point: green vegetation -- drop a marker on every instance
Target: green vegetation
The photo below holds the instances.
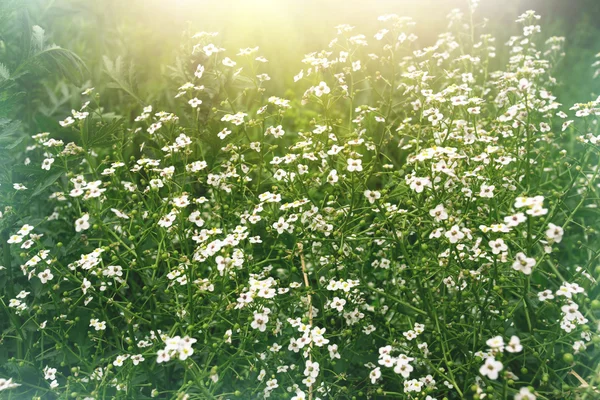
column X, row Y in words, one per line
column 298, row 208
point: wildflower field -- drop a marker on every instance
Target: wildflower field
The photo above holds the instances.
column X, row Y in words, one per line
column 390, row 214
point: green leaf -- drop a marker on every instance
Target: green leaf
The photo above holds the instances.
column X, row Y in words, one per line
column 122, row 79
column 4, row 73
column 46, row 183
column 106, row 134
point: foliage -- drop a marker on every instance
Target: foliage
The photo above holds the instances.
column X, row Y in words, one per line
column 402, row 222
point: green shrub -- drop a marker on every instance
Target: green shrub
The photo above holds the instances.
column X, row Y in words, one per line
column 416, row 223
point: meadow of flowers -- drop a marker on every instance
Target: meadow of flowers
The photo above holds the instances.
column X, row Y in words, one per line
column 408, row 222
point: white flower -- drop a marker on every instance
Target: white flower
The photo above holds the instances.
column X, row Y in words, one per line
column 195, row 102
column 487, row 191
column 439, row 213
column 199, row 71
column 491, row 368
column 403, row 368
column 554, row 233
column 181, row 201
column 137, row 358
column 375, row 374
column 454, row 234
column 515, row 220
column 545, row 295
column 224, row 133
column 311, row 369
column 67, row 122
column 354, row 165
column 372, row 195
column 514, row 345
column 498, row 246
column 97, row 324
column 120, row 360
column 228, row 62
column 25, row 229
column 82, row 223
column 496, row 343
column 333, row 351
column 419, row 184
column 525, row 394
column 119, row 213
column 321, row 89
column 196, row 219
column 210, row 48
column 338, row 303
column 154, row 127
column 523, row 263
column 49, row 373
column 276, row 131
column 162, row 356
column 271, row 384
column 9, row 384
column 281, row 225
column 185, row 352
column 45, row 275
column 47, row 163
column 333, row 177
column 15, row 239
column 260, row 322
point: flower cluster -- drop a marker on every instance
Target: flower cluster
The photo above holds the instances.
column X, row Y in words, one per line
column 413, row 224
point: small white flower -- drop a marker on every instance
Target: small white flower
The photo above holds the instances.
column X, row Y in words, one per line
column 496, row 343
column 525, row 394
column 372, row 195
column 162, row 356
column 487, row 191
column 281, row 225
column 545, row 295
column 199, row 71
column 311, row 369
column 419, row 184
column 195, row 102
column 333, row 177
column 82, row 223
column 514, row 345
column 354, row 165
column 375, row 375
column 454, row 234
column 523, row 263
column 338, row 303
column 321, row 89
column 49, row 373
column 47, row 163
column 403, row 368
column 45, row 275
column 554, row 233
column 196, row 219
column 260, row 322
column 498, row 246
column 67, row 122
column 228, row 62
column 439, row 213
column 15, row 239
column 491, row 368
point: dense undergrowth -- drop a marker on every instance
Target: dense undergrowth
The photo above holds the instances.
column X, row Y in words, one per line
column 407, row 222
